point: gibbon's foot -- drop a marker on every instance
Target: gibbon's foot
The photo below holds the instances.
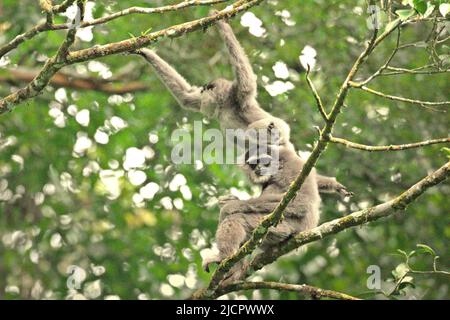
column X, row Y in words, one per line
column 208, row 261
column 224, row 199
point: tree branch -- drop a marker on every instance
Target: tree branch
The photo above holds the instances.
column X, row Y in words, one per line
column 46, row 26
column 171, row 32
column 400, row 147
column 63, row 6
column 388, row 61
column 273, row 219
column 355, row 219
column 316, row 95
column 313, row 292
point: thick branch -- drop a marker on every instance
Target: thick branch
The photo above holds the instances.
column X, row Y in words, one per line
column 399, row 147
column 355, row 219
column 303, row 289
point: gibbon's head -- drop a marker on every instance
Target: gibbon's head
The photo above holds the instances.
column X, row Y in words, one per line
column 215, row 94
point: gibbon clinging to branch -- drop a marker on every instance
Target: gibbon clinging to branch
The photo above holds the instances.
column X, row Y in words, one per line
column 238, row 218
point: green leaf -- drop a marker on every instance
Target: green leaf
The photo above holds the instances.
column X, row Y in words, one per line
column 420, row 6
column 404, row 14
column 444, row 9
column 427, row 249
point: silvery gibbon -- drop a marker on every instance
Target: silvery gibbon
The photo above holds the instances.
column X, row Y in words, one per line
column 232, row 103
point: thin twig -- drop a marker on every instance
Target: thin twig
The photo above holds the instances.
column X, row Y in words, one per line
column 52, row 65
column 400, row 147
column 60, row 79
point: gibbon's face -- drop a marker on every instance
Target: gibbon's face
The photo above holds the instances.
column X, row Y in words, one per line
column 216, row 93
column 260, row 167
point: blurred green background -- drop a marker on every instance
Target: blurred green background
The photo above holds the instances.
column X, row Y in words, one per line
column 57, row 211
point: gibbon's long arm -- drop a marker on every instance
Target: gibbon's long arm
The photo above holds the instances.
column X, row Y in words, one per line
column 245, row 77
column 187, row 96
